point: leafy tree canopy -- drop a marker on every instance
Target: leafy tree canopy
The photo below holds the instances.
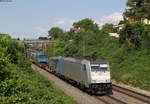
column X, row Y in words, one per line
column 138, row 9
column 55, row 32
column 86, row 24
column 43, row 38
column 133, row 33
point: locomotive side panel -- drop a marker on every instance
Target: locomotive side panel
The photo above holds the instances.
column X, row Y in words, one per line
column 74, row 70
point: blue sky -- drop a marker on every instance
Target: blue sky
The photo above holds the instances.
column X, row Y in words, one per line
column 33, row 18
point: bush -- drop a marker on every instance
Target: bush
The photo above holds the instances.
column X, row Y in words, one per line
column 19, row 84
column 30, row 88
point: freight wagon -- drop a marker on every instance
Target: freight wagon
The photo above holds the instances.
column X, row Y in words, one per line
column 39, row 58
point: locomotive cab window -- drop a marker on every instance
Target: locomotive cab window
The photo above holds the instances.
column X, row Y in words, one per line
column 103, row 67
column 99, row 67
column 95, row 67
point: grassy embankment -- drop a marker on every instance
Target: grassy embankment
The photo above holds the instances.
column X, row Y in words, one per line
column 128, row 66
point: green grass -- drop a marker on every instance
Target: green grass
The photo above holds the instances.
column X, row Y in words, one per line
column 30, row 88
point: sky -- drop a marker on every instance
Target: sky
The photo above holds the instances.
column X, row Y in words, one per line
column 33, row 18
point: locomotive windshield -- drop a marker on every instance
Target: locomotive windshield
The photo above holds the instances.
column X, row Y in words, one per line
column 103, row 66
column 95, row 67
column 99, row 67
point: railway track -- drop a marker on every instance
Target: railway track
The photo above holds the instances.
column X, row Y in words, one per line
column 139, row 96
column 124, row 96
column 111, row 100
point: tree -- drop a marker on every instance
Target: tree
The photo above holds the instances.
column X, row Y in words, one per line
column 55, row 32
column 109, row 28
column 86, row 24
column 70, row 48
column 132, row 33
column 138, row 9
column 43, row 38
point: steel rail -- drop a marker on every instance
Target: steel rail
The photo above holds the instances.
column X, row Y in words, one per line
column 110, row 99
column 134, row 94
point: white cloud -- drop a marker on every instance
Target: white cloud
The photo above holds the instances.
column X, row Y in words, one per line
column 67, row 22
column 40, row 29
column 60, row 22
column 113, row 18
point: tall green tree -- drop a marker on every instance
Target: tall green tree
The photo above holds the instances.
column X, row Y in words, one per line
column 132, row 33
column 138, row 9
column 55, row 32
column 86, row 24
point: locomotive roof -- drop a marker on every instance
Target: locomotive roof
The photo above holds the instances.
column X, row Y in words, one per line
column 91, row 61
column 81, row 59
column 99, row 62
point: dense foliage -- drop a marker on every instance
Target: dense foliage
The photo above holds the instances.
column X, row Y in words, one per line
column 128, row 56
column 55, row 32
column 109, row 28
column 18, row 83
column 139, row 9
column 133, row 33
column 86, row 24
